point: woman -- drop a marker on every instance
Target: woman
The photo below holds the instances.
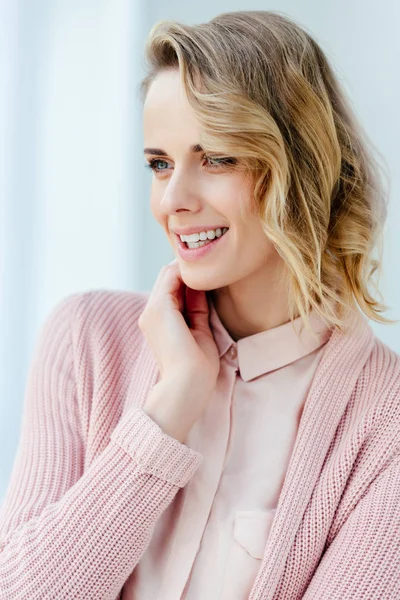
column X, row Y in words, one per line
column 235, row 433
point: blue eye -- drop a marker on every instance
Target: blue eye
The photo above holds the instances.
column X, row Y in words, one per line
column 152, row 164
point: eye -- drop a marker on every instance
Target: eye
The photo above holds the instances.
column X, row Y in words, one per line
column 223, row 161
column 152, row 164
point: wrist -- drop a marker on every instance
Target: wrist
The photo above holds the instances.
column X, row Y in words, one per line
column 167, row 404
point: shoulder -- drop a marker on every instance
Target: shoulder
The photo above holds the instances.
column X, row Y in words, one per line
column 101, row 307
column 374, row 410
column 380, row 377
column 99, row 322
column 105, row 317
column 105, row 342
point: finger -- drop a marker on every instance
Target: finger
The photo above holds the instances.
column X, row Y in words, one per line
column 160, row 277
column 197, row 309
column 172, row 284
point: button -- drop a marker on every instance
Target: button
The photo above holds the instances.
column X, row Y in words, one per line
column 232, row 352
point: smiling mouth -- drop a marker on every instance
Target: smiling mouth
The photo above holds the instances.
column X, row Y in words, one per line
column 200, row 243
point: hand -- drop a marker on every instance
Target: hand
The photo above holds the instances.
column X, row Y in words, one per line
column 175, row 324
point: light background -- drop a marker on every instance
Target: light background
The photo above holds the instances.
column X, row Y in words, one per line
column 74, row 195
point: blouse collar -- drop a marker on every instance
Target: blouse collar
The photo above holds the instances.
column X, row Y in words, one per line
column 268, row 350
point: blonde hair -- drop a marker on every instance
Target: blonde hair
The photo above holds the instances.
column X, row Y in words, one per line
column 265, row 93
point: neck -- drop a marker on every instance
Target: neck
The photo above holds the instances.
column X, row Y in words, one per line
column 252, row 305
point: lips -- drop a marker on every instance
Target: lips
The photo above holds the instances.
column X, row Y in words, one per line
column 207, row 239
column 194, row 254
column 210, row 241
column 196, row 229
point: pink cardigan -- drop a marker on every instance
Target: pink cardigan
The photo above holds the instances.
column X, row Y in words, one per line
column 93, row 472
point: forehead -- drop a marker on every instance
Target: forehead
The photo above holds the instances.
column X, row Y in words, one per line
column 166, row 110
column 165, row 91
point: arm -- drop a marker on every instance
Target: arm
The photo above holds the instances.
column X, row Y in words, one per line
column 363, row 561
column 68, row 533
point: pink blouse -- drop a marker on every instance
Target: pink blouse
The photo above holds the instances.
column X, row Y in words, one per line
column 209, row 542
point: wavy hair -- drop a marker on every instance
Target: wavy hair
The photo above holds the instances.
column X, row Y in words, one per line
column 264, row 92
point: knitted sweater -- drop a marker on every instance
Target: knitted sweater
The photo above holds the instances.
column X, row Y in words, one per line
column 93, row 472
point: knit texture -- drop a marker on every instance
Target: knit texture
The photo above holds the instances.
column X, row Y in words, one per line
column 93, row 472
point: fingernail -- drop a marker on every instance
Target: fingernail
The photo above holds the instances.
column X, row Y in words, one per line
column 173, row 261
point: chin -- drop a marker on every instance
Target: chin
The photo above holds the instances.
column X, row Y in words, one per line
column 202, row 279
column 200, row 284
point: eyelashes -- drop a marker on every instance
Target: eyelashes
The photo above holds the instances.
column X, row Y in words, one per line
column 224, row 161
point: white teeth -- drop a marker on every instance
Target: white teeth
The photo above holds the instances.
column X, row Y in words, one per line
column 203, row 235
column 202, row 238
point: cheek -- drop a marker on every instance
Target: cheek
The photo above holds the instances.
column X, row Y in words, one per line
column 155, row 206
column 243, row 205
column 254, row 241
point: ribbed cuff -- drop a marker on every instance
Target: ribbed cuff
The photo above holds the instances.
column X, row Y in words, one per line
column 153, row 450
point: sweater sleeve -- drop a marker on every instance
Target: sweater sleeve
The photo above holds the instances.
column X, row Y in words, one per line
column 363, row 561
column 66, row 532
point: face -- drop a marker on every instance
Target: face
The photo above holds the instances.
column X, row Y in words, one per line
column 191, row 189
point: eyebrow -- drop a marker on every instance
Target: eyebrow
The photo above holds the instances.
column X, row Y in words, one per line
column 157, row 151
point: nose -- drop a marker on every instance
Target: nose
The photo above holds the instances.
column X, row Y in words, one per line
column 181, row 194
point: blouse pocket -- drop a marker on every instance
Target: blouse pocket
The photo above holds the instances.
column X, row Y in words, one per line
column 250, row 533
